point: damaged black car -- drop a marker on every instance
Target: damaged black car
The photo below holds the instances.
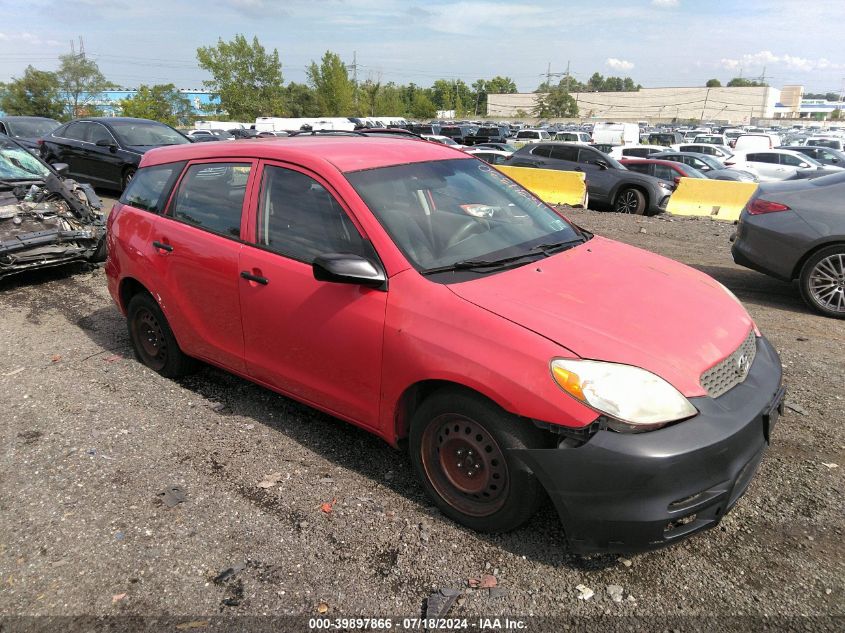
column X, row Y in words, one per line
column 45, row 219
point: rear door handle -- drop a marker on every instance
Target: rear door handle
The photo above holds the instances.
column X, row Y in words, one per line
column 163, row 247
column 256, row 278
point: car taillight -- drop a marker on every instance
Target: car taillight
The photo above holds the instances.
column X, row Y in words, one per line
column 759, row 206
column 40, row 142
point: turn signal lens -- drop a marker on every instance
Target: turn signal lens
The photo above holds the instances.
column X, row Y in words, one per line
column 569, row 380
column 758, row 206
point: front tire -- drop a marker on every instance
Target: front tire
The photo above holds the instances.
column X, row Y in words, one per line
column 459, row 445
column 822, row 281
column 128, row 175
column 631, row 201
column 153, row 340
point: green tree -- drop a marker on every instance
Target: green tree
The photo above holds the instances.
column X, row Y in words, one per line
column 80, row 83
column 34, row 94
column 301, row 101
column 713, row 83
column 331, row 83
column 246, row 78
column 162, row 102
column 740, row 82
column 443, row 94
column 556, row 103
column 422, row 107
column 836, row 115
column 389, row 101
column 368, row 93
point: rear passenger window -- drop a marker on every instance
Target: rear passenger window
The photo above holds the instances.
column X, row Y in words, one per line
column 211, row 197
column 562, row 152
column 787, row 159
column 763, row 158
column 151, row 186
column 300, row 219
column 542, row 150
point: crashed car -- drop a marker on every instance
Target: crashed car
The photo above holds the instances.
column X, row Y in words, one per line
column 45, row 219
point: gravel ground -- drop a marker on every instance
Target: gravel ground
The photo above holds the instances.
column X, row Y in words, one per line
column 90, row 439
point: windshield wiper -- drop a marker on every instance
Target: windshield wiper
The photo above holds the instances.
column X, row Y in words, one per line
column 556, row 247
column 545, row 250
column 471, row 264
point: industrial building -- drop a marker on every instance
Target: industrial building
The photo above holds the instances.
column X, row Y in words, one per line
column 729, row 105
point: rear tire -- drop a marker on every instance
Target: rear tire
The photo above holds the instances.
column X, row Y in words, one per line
column 822, row 281
column 153, row 340
column 631, row 201
column 459, row 446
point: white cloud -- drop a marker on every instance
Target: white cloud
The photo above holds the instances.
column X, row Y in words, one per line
column 26, row 38
column 618, row 64
column 763, row 58
column 665, row 4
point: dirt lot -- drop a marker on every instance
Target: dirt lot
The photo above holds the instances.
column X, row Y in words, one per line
column 90, row 437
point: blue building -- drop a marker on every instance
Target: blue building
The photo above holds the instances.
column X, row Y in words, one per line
column 108, row 102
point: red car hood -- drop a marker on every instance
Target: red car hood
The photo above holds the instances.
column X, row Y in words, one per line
column 604, row 300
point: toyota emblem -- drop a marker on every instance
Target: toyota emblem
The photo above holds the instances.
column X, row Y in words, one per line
column 742, row 365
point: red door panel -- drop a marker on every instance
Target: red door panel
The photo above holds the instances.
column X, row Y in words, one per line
column 314, row 340
column 199, row 292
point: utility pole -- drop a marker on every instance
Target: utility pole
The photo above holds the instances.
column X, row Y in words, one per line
column 355, row 79
column 567, row 76
column 549, row 76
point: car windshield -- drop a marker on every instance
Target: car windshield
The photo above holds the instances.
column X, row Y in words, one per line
column 811, row 161
column 17, row 163
column 146, row 134
column 710, row 161
column 825, row 142
column 31, row 128
column 692, row 172
column 461, row 213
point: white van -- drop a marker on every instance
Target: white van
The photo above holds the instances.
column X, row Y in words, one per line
column 756, row 142
column 616, row 134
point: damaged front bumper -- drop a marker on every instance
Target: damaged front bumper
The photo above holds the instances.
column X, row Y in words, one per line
column 621, row 492
column 54, row 224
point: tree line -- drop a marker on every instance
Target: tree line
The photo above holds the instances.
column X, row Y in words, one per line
column 247, row 81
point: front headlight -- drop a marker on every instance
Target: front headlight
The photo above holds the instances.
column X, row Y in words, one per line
column 634, row 398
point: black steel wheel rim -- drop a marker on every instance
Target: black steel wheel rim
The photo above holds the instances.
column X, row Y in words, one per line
column 149, row 339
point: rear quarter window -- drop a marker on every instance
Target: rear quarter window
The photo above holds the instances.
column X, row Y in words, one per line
column 151, row 186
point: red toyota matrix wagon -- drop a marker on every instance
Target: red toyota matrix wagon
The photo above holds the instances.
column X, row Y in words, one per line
column 421, row 294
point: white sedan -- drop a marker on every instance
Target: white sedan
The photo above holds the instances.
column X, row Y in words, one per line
column 778, row 164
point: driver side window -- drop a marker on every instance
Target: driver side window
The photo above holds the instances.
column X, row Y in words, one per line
column 300, row 219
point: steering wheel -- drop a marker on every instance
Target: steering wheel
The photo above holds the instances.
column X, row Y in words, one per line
column 467, row 229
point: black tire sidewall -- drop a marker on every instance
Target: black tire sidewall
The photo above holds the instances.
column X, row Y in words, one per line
column 641, row 202
column 176, row 363
column 804, row 279
column 128, row 174
column 525, row 492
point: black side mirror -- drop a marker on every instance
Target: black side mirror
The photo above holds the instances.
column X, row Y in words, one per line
column 106, row 143
column 61, row 168
column 344, row 268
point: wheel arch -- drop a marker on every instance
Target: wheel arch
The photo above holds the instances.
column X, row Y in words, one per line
column 829, row 241
column 643, row 189
column 416, row 393
column 129, row 287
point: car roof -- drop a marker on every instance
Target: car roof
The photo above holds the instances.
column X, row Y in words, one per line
column 15, row 117
column 650, row 161
column 345, row 153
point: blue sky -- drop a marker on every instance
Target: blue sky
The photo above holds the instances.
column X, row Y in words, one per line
column 657, row 42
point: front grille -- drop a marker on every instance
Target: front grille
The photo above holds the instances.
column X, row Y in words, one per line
column 727, row 374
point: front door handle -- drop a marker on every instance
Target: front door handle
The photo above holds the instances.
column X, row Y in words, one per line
column 256, row 278
column 163, row 247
